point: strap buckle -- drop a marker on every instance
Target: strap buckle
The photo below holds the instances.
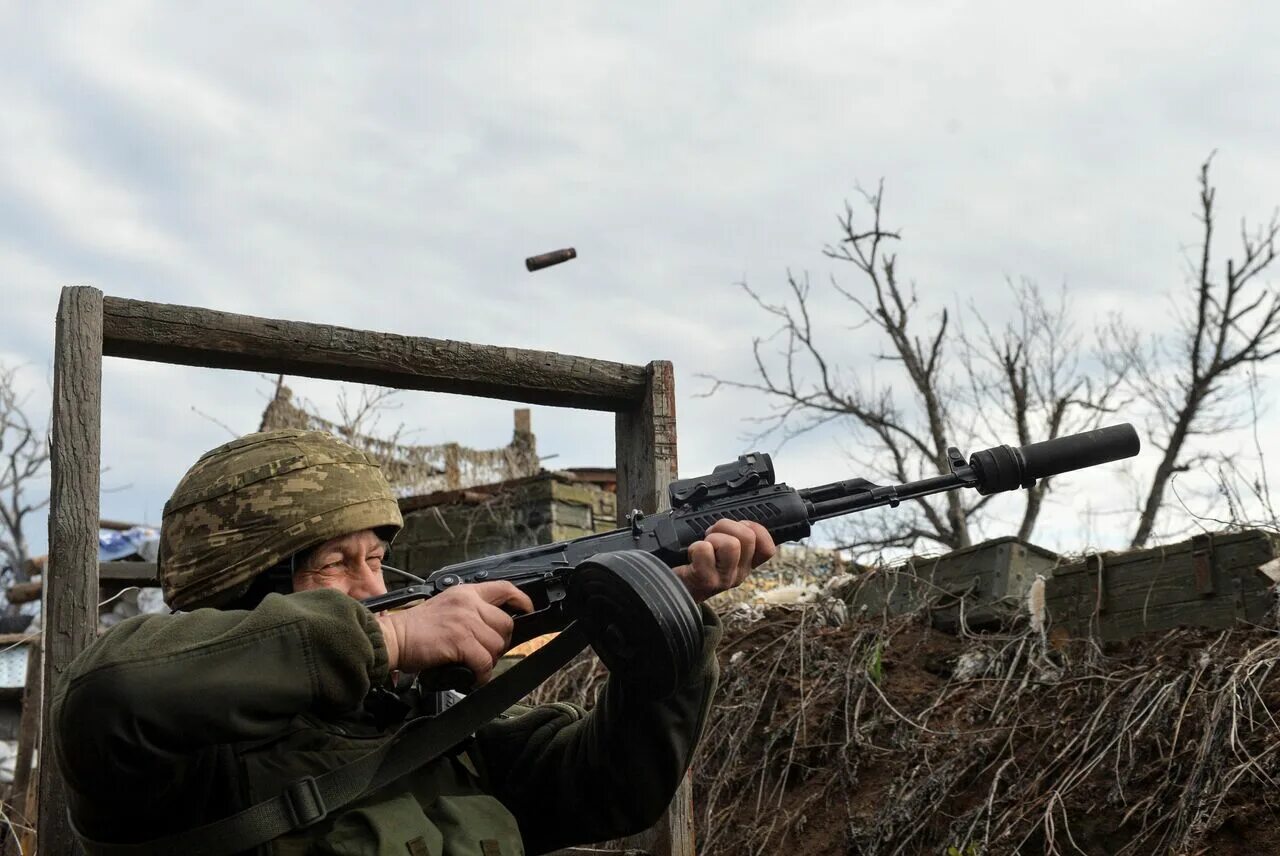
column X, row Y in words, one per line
column 304, row 803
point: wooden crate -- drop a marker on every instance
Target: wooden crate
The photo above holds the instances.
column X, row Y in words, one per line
column 1211, row 580
column 986, row 583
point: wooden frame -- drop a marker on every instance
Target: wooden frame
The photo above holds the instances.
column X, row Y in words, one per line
column 91, row 326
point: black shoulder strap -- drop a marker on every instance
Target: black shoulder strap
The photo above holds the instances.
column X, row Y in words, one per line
column 309, row 800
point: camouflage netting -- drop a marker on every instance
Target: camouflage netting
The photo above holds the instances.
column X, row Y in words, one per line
column 835, row 734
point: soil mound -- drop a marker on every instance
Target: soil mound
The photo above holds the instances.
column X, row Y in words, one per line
column 840, row 736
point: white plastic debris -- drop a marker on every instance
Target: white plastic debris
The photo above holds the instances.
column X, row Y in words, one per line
column 1036, row 604
column 970, row 665
column 8, row 760
column 744, row 611
column 839, row 586
column 151, row 601
column 836, row 613
column 790, row 594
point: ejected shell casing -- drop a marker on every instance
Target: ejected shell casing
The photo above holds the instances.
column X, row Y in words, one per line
column 554, row 257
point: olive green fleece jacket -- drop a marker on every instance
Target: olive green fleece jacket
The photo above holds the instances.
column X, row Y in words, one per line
column 169, row 722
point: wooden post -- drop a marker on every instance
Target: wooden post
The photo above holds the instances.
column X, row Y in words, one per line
column 645, row 440
column 70, row 618
column 646, row 453
column 28, row 739
column 89, row 326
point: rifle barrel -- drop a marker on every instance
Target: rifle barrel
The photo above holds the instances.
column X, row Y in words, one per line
column 993, row 470
column 891, row 495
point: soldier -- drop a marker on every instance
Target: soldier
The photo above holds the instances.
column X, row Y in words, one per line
column 171, row 722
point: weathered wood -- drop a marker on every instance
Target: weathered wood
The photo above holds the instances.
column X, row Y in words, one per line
column 985, row 582
column 1213, row 613
column 645, row 443
column 28, row 836
column 204, row 337
column 90, row 327
column 25, row 592
column 28, row 731
column 645, row 447
column 1208, row 582
column 1167, row 575
column 71, row 583
column 673, row 835
column 117, row 525
column 129, row 573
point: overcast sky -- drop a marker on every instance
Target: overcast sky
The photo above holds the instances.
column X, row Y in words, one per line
column 391, row 171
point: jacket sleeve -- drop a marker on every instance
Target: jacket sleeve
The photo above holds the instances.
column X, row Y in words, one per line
column 572, row 777
column 158, row 688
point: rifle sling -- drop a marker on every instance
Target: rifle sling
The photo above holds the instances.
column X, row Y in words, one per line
column 309, row 800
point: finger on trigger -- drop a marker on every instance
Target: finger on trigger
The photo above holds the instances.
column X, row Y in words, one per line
column 501, row 592
column 478, row 659
column 495, row 642
column 499, row 620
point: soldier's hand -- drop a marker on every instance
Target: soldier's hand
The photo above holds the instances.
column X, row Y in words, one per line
column 465, row 625
column 725, row 557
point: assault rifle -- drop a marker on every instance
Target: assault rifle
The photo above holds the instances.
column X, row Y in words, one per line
column 637, row 614
column 615, row 591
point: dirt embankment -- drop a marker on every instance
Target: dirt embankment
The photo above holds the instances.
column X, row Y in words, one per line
column 877, row 738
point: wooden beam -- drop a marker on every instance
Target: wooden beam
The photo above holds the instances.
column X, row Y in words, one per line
column 129, row 573
column 25, row 592
column 117, row 525
column 71, row 582
column 645, row 447
column 204, row 337
column 117, row 573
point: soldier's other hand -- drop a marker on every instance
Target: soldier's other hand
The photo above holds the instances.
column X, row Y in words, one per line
column 725, row 557
column 463, row 625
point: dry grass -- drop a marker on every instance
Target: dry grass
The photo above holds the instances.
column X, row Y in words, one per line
column 880, row 738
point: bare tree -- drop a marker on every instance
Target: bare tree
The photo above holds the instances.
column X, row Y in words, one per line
column 1233, row 324
column 1027, row 379
column 24, row 459
column 1031, row 374
column 362, row 417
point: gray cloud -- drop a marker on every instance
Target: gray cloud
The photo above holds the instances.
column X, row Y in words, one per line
column 392, row 171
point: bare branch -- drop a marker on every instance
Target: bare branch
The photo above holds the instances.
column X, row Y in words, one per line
column 1231, row 327
column 1025, row 378
column 24, row 458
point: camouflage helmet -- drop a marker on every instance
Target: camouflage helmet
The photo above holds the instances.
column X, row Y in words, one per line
column 250, row 504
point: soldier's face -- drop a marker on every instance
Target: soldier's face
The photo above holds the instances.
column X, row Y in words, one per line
column 351, row 564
